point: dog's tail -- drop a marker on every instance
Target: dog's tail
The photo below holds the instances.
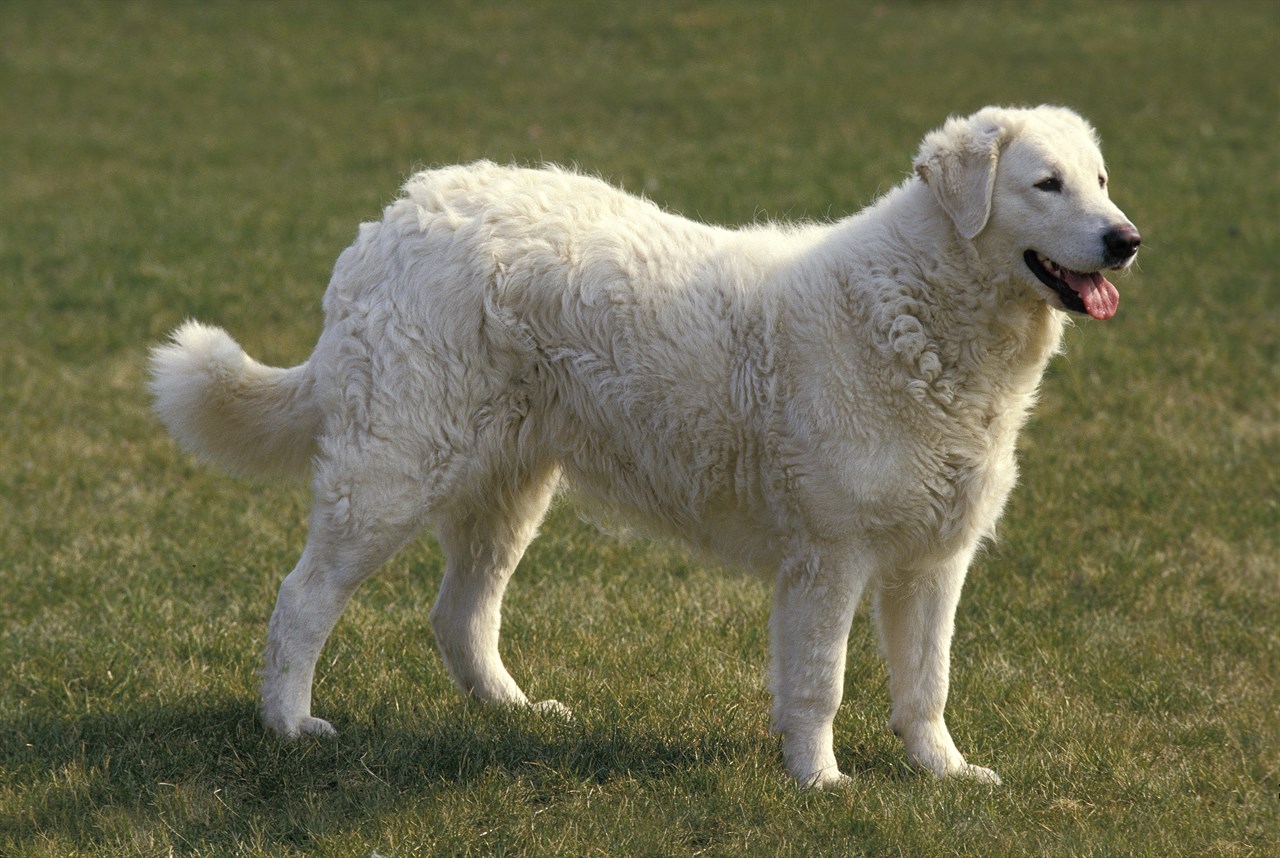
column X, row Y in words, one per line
column 225, row 407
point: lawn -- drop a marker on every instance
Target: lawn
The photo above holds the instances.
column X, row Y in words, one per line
column 1118, row 649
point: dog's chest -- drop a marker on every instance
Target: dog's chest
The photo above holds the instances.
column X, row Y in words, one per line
column 963, row 493
column 915, row 487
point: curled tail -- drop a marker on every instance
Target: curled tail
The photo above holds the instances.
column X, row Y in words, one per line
column 225, row 407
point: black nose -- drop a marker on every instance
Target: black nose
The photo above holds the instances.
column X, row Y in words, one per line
column 1121, row 242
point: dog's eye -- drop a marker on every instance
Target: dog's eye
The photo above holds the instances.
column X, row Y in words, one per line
column 1102, row 182
column 1050, row 185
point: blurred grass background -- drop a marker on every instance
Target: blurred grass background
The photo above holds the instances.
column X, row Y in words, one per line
column 1118, row 649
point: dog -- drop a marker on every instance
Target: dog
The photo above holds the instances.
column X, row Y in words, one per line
column 833, row 404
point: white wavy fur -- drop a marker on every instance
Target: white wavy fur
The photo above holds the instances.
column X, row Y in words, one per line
column 229, row 409
column 834, row 405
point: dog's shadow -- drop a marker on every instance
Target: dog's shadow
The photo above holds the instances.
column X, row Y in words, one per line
column 205, row 773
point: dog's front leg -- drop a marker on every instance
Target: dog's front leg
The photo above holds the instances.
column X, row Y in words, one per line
column 916, row 619
column 809, row 628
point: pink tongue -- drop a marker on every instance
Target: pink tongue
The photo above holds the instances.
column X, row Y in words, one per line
column 1100, row 298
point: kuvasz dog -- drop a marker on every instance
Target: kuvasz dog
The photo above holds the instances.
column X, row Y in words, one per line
column 834, row 405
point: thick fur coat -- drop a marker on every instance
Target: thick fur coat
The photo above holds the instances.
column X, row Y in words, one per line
column 834, row 405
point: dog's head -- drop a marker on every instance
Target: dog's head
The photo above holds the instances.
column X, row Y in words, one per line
column 1029, row 188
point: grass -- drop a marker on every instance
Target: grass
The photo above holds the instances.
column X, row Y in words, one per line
column 1117, row 653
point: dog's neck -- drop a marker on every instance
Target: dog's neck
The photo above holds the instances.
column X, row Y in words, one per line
column 992, row 315
column 971, row 323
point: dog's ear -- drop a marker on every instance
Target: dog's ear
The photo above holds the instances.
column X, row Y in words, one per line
column 958, row 163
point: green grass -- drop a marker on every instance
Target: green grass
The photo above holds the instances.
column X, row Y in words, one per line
column 1118, row 648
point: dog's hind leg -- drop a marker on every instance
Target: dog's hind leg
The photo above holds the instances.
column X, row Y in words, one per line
column 482, row 548
column 356, row 525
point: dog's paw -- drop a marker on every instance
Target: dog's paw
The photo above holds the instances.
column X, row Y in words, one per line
column 553, row 707
column 831, row 778
column 976, row 773
column 309, row 726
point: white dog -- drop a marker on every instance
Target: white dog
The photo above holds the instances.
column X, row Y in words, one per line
column 835, row 405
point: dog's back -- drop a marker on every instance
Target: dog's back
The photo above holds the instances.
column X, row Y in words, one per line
column 541, row 315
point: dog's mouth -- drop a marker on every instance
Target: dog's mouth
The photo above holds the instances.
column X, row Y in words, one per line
column 1079, row 292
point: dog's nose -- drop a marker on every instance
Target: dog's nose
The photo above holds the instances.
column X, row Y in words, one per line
column 1121, row 242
